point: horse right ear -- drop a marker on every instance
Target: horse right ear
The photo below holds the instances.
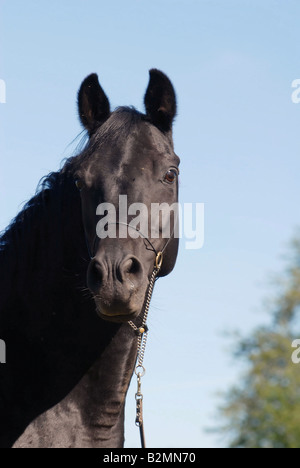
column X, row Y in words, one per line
column 160, row 100
column 93, row 104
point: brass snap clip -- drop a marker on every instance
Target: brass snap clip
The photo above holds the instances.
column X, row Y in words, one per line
column 158, row 260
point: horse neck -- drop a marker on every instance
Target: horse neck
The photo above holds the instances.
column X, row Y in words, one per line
column 92, row 414
column 100, row 396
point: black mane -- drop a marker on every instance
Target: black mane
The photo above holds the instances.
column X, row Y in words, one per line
column 35, row 207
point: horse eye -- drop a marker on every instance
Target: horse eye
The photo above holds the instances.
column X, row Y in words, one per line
column 79, row 184
column 171, row 176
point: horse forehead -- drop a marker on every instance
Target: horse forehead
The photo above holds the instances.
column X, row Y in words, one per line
column 151, row 140
column 143, row 141
column 143, row 146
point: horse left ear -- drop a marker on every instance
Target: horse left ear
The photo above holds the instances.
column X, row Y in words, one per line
column 160, row 100
column 93, row 104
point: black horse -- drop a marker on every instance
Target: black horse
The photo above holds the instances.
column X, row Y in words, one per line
column 70, row 352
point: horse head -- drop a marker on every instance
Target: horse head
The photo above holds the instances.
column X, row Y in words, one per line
column 126, row 172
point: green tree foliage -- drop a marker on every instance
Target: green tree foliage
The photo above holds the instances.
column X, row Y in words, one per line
column 263, row 410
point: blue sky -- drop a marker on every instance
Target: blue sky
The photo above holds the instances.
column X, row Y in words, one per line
column 232, row 63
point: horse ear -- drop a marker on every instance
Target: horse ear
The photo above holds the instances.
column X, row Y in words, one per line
column 160, row 100
column 93, row 104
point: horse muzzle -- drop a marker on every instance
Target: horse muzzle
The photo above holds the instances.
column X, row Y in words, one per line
column 118, row 286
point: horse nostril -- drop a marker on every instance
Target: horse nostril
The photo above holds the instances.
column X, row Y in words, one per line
column 131, row 268
column 95, row 274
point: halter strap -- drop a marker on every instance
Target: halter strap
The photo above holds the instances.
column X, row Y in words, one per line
column 157, row 254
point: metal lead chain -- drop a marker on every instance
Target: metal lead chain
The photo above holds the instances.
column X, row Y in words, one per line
column 139, row 411
column 142, row 333
column 139, row 403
